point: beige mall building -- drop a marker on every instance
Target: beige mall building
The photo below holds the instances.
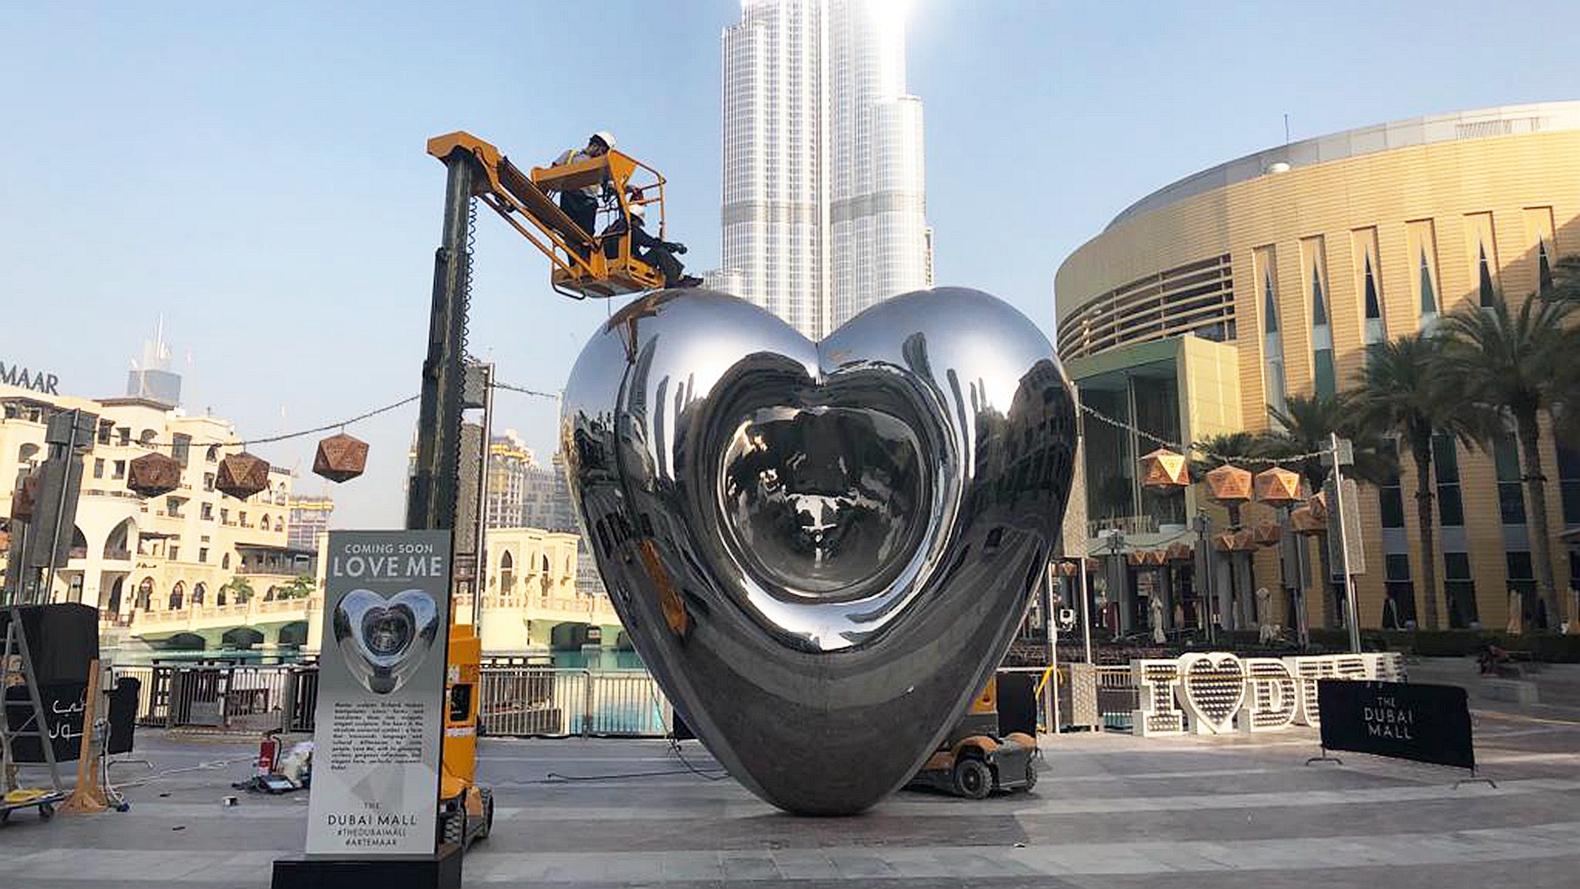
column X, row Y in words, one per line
column 1206, row 301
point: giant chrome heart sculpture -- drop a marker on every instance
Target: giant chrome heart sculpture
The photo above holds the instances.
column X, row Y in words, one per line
column 821, row 550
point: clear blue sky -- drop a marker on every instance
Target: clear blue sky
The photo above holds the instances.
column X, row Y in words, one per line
column 256, row 172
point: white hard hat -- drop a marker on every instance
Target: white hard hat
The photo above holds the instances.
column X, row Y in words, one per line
column 604, row 136
column 639, row 211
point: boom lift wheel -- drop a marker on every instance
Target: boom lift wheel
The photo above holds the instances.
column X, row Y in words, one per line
column 973, row 778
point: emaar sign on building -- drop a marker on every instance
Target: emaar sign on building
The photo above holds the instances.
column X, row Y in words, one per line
column 38, row 381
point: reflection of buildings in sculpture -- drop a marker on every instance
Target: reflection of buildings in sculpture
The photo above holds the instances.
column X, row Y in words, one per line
column 1289, row 284
column 162, row 566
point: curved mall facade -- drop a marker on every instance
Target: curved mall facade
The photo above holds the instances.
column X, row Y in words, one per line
column 1277, row 269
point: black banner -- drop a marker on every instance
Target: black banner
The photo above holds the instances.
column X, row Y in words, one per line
column 1426, row 723
column 63, row 708
column 123, row 714
column 63, row 639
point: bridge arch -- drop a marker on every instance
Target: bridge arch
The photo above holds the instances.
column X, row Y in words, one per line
column 294, row 633
column 186, row 641
column 242, row 638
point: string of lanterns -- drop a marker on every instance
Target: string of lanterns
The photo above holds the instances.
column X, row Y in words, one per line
column 1231, row 486
column 339, row 458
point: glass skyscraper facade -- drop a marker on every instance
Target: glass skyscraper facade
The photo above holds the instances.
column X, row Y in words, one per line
column 824, row 208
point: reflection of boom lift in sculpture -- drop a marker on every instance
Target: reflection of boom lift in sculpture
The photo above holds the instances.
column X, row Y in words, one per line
column 580, row 267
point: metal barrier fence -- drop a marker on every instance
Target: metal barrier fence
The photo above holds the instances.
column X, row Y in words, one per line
column 1117, row 697
column 526, row 701
column 225, row 697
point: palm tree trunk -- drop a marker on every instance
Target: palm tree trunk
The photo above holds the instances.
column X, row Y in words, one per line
column 1536, row 515
column 1422, row 452
column 1324, row 583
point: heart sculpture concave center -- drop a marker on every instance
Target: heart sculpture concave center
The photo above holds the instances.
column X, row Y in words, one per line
column 385, row 640
column 820, row 550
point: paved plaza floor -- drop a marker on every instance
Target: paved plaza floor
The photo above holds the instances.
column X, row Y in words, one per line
column 1110, row 811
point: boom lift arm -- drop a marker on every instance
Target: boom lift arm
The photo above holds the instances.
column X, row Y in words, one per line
column 580, row 267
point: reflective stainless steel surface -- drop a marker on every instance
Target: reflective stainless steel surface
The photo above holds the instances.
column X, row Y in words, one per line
column 821, row 550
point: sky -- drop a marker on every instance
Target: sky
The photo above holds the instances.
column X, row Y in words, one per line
column 254, row 174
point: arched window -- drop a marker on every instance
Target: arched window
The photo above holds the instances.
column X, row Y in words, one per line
column 177, row 595
column 224, row 564
column 26, row 452
column 198, row 593
column 279, row 523
column 219, row 598
column 147, row 436
column 264, row 524
column 268, row 594
column 507, row 572
column 145, row 595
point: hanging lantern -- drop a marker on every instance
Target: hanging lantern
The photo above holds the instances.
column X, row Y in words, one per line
column 1093, row 566
column 1319, row 506
column 242, row 475
column 1267, row 534
column 1137, row 558
column 1164, row 468
column 1180, row 552
column 1229, row 484
column 341, row 457
column 1234, row 542
column 1303, row 520
column 153, row 474
column 1068, row 569
column 1277, row 486
column 5, row 540
column 24, row 498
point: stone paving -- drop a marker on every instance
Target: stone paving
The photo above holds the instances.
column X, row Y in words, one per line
column 1110, row 811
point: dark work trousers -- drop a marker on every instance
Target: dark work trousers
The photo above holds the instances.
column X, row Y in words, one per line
column 665, row 262
column 582, row 209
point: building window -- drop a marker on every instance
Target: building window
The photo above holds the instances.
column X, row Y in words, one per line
column 1460, row 590
column 181, row 448
column 1544, row 268
column 1428, row 292
column 177, row 595
column 1445, row 465
column 123, row 435
column 1272, row 338
column 1375, row 332
column 1325, row 381
column 198, row 592
column 1523, row 581
column 1484, row 275
column 224, row 564
column 118, row 469
column 1511, row 500
column 98, row 468
column 175, row 553
column 106, row 429
column 207, row 512
column 1399, row 607
column 1390, row 494
column 208, row 481
column 1569, row 484
column 145, row 595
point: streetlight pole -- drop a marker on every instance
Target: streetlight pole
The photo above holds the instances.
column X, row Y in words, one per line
column 1351, row 618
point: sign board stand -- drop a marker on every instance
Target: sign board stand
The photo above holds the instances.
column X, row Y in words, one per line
column 373, row 809
column 1421, row 723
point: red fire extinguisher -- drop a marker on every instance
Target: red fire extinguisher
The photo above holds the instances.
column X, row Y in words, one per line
column 268, row 755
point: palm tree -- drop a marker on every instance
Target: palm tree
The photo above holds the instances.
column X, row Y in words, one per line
column 1308, row 423
column 1401, row 393
column 1511, row 360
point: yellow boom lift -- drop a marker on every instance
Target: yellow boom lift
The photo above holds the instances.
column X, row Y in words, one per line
column 580, row 267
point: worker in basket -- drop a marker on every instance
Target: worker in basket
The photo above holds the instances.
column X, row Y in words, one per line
column 581, row 204
column 651, row 250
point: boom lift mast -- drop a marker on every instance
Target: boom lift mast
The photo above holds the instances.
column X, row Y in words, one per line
column 580, row 267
